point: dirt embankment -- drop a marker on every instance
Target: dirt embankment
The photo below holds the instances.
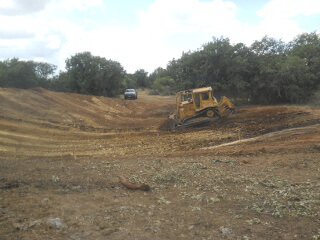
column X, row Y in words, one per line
column 253, row 176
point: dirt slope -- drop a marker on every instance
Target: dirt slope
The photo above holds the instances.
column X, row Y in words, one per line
column 254, row 176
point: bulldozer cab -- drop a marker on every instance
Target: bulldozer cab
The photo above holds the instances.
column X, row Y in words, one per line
column 189, row 102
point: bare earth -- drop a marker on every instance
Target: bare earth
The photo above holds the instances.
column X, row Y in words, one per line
column 256, row 175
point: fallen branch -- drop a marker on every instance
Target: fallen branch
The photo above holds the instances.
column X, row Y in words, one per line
column 134, row 186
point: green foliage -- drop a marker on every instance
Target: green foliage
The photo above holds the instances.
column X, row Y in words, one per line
column 159, row 72
column 60, row 83
column 267, row 72
column 82, row 69
column 89, row 74
column 129, row 82
column 141, row 79
column 25, row 74
column 294, row 80
column 267, row 59
column 163, row 86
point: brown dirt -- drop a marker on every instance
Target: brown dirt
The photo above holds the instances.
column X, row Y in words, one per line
column 61, row 156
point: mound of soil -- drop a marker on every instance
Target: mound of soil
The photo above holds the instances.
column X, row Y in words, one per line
column 38, row 106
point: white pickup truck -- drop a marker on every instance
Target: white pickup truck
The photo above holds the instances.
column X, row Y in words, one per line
column 131, row 94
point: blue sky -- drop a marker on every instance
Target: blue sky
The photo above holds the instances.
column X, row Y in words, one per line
column 143, row 34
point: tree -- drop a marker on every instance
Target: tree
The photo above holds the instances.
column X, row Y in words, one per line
column 45, row 73
column 60, row 82
column 110, row 78
column 157, row 73
column 268, row 72
column 25, row 74
column 141, row 78
column 88, row 74
column 18, row 74
column 129, row 81
column 44, row 70
column 294, row 81
column 3, row 74
column 163, row 86
column 307, row 47
column 238, row 73
column 83, row 71
column 268, row 56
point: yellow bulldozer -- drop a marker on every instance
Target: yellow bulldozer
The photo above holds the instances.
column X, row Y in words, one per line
column 198, row 106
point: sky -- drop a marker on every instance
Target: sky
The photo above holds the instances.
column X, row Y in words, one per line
column 143, row 34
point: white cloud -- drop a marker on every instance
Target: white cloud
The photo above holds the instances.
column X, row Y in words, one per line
column 148, row 45
column 72, row 5
column 15, row 34
column 25, row 7
column 284, row 9
column 184, row 16
column 191, row 21
column 54, row 41
column 22, row 7
column 7, row 4
column 40, row 29
column 57, row 29
column 279, row 17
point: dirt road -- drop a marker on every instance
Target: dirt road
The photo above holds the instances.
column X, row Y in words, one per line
column 256, row 175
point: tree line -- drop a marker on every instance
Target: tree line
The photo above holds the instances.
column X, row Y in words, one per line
column 269, row 71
